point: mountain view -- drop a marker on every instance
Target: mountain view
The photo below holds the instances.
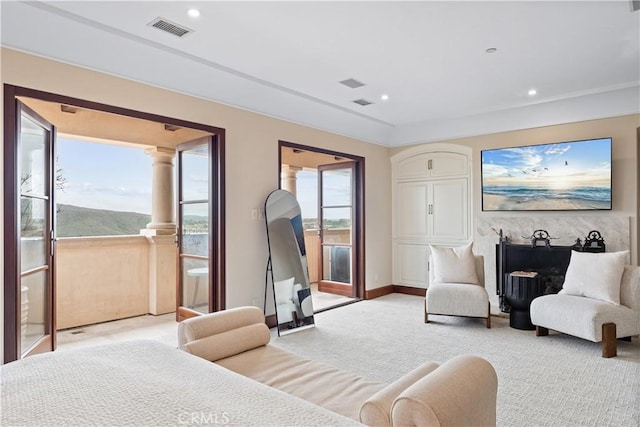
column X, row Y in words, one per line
column 75, row 221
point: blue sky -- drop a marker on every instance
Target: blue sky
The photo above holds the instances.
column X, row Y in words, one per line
column 582, row 163
column 103, row 176
column 113, row 177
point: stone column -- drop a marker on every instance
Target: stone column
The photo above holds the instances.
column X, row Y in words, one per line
column 160, row 233
column 163, row 220
column 288, row 177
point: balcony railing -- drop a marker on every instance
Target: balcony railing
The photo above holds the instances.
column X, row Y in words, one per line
column 99, row 279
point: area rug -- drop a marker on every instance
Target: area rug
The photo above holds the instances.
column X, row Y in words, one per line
column 557, row 380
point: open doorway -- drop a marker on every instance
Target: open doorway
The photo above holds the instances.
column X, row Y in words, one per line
column 328, row 187
column 134, row 272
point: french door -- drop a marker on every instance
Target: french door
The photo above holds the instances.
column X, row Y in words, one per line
column 199, row 285
column 336, row 190
column 29, row 236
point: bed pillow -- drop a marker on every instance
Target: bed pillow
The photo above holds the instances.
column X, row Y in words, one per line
column 595, row 275
column 454, row 265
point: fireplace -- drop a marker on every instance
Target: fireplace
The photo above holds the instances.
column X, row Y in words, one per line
column 525, row 271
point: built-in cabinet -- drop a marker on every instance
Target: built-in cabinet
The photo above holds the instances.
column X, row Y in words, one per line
column 431, row 205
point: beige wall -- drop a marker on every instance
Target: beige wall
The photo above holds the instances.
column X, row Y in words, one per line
column 251, row 162
column 623, row 130
column 100, row 279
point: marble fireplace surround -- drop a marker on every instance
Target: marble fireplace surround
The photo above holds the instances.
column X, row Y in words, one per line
column 615, row 229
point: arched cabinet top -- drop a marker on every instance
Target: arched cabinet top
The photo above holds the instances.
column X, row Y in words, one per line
column 432, row 161
column 431, row 148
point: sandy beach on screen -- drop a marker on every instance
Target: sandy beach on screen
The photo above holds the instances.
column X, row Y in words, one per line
column 494, row 202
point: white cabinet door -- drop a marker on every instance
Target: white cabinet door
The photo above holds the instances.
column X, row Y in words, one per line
column 410, row 221
column 416, row 167
column 448, row 219
column 431, row 206
column 447, row 164
column 410, row 263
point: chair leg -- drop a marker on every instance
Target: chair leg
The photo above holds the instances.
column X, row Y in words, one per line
column 609, row 343
column 489, row 317
column 426, row 314
column 541, row 332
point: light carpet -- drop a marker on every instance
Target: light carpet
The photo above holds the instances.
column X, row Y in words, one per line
column 556, row 380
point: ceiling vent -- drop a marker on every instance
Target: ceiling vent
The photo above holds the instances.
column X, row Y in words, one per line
column 68, row 109
column 170, row 27
column 171, row 128
column 363, row 102
column 352, row 83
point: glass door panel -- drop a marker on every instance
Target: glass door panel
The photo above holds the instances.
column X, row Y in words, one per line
column 194, row 228
column 33, row 308
column 336, row 205
column 336, row 187
column 35, row 317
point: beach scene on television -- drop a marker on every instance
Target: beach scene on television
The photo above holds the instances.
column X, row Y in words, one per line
column 559, row 176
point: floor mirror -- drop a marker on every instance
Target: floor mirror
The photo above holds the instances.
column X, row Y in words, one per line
column 287, row 267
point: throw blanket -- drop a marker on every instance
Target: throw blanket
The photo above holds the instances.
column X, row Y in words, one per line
column 142, row 383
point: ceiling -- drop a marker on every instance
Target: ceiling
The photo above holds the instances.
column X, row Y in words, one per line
column 286, row 59
column 75, row 122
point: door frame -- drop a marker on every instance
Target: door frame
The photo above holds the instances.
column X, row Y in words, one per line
column 11, row 93
column 359, row 215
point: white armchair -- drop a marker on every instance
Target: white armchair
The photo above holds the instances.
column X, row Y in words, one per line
column 285, row 306
column 591, row 316
column 458, row 298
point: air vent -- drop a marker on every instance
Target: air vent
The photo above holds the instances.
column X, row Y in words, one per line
column 363, row 102
column 635, row 5
column 352, row 83
column 67, row 109
column 171, row 128
column 170, row 27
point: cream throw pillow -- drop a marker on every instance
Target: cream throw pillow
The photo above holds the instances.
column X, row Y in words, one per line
column 283, row 290
column 454, row 265
column 595, row 275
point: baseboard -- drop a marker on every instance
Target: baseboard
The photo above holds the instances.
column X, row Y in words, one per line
column 271, row 321
column 409, row 290
column 378, row 292
column 336, row 289
column 394, row 289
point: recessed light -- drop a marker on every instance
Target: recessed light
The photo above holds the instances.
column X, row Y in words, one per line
column 491, row 50
column 384, row 97
column 532, row 92
column 194, row 13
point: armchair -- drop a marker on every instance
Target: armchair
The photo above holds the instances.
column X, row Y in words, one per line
column 592, row 318
column 454, row 298
column 285, row 306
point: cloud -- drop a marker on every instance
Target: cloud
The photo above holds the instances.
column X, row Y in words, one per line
column 557, row 150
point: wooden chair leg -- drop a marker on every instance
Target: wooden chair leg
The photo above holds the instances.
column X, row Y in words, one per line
column 541, row 332
column 609, row 343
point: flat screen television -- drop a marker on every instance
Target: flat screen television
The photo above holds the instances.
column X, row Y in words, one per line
column 562, row 176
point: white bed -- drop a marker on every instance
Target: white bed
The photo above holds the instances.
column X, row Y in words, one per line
column 143, row 383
